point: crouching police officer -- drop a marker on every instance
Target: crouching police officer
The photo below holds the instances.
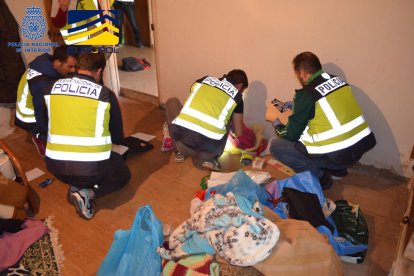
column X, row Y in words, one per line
column 84, row 120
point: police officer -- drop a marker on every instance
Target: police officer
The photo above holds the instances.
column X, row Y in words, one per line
column 33, row 85
column 199, row 129
column 327, row 131
column 84, row 120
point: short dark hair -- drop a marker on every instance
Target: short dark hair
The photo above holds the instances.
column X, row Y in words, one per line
column 237, row 76
column 308, row 62
column 92, row 61
column 61, row 53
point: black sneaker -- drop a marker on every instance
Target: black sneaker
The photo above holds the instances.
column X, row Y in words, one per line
column 82, row 201
column 179, row 157
column 212, row 165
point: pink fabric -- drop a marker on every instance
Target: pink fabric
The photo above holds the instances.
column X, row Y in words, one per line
column 13, row 245
column 246, row 141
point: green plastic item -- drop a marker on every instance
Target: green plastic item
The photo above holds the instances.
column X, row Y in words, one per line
column 350, row 222
column 203, row 182
column 280, row 130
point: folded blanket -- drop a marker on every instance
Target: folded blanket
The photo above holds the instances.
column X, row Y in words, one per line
column 192, row 265
column 220, row 226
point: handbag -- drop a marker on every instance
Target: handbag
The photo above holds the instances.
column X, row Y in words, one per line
column 132, row 64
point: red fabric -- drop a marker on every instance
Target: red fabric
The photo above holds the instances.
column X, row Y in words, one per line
column 262, row 147
column 246, row 141
column 201, row 194
column 181, row 270
column 59, row 21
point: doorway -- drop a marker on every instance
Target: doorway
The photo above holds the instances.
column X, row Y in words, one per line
column 135, row 84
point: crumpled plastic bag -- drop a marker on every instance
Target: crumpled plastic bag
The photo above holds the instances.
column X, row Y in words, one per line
column 217, row 178
column 134, row 251
column 350, row 222
column 241, row 184
column 305, row 182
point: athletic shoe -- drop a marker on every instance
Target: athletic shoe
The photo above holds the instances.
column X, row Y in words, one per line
column 40, row 145
column 179, row 157
column 167, row 144
column 212, row 165
column 246, row 158
column 82, row 201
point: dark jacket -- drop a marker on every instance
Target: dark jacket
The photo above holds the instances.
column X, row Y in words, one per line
column 11, row 62
column 38, row 87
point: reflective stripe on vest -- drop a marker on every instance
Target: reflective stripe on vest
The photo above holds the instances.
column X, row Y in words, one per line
column 341, row 129
column 339, row 145
column 86, row 146
column 189, row 116
column 340, row 135
column 77, row 156
column 24, row 110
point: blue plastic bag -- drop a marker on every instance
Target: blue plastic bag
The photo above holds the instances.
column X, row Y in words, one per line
column 342, row 246
column 241, row 184
column 134, row 252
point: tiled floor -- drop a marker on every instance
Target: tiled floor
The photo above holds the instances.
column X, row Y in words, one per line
column 144, row 81
column 169, row 187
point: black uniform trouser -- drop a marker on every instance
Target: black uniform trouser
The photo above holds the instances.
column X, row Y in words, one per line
column 113, row 178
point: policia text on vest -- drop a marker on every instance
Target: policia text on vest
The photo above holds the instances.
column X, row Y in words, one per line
column 77, row 87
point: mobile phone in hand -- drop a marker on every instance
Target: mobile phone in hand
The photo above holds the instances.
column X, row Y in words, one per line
column 278, row 104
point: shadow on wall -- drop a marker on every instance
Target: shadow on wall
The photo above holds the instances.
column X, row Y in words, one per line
column 385, row 154
column 255, row 101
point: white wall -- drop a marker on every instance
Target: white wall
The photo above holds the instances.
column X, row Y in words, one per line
column 369, row 43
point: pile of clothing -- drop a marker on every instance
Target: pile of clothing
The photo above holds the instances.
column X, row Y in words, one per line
column 301, row 197
column 244, row 223
column 230, row 225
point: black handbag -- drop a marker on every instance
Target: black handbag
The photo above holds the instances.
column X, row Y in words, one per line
column 305, row 206
column 132, row 64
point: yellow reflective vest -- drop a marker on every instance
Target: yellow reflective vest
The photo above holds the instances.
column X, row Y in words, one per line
column 78, row 110
column 24, row 105
column 338, row 122
column 209, row 107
